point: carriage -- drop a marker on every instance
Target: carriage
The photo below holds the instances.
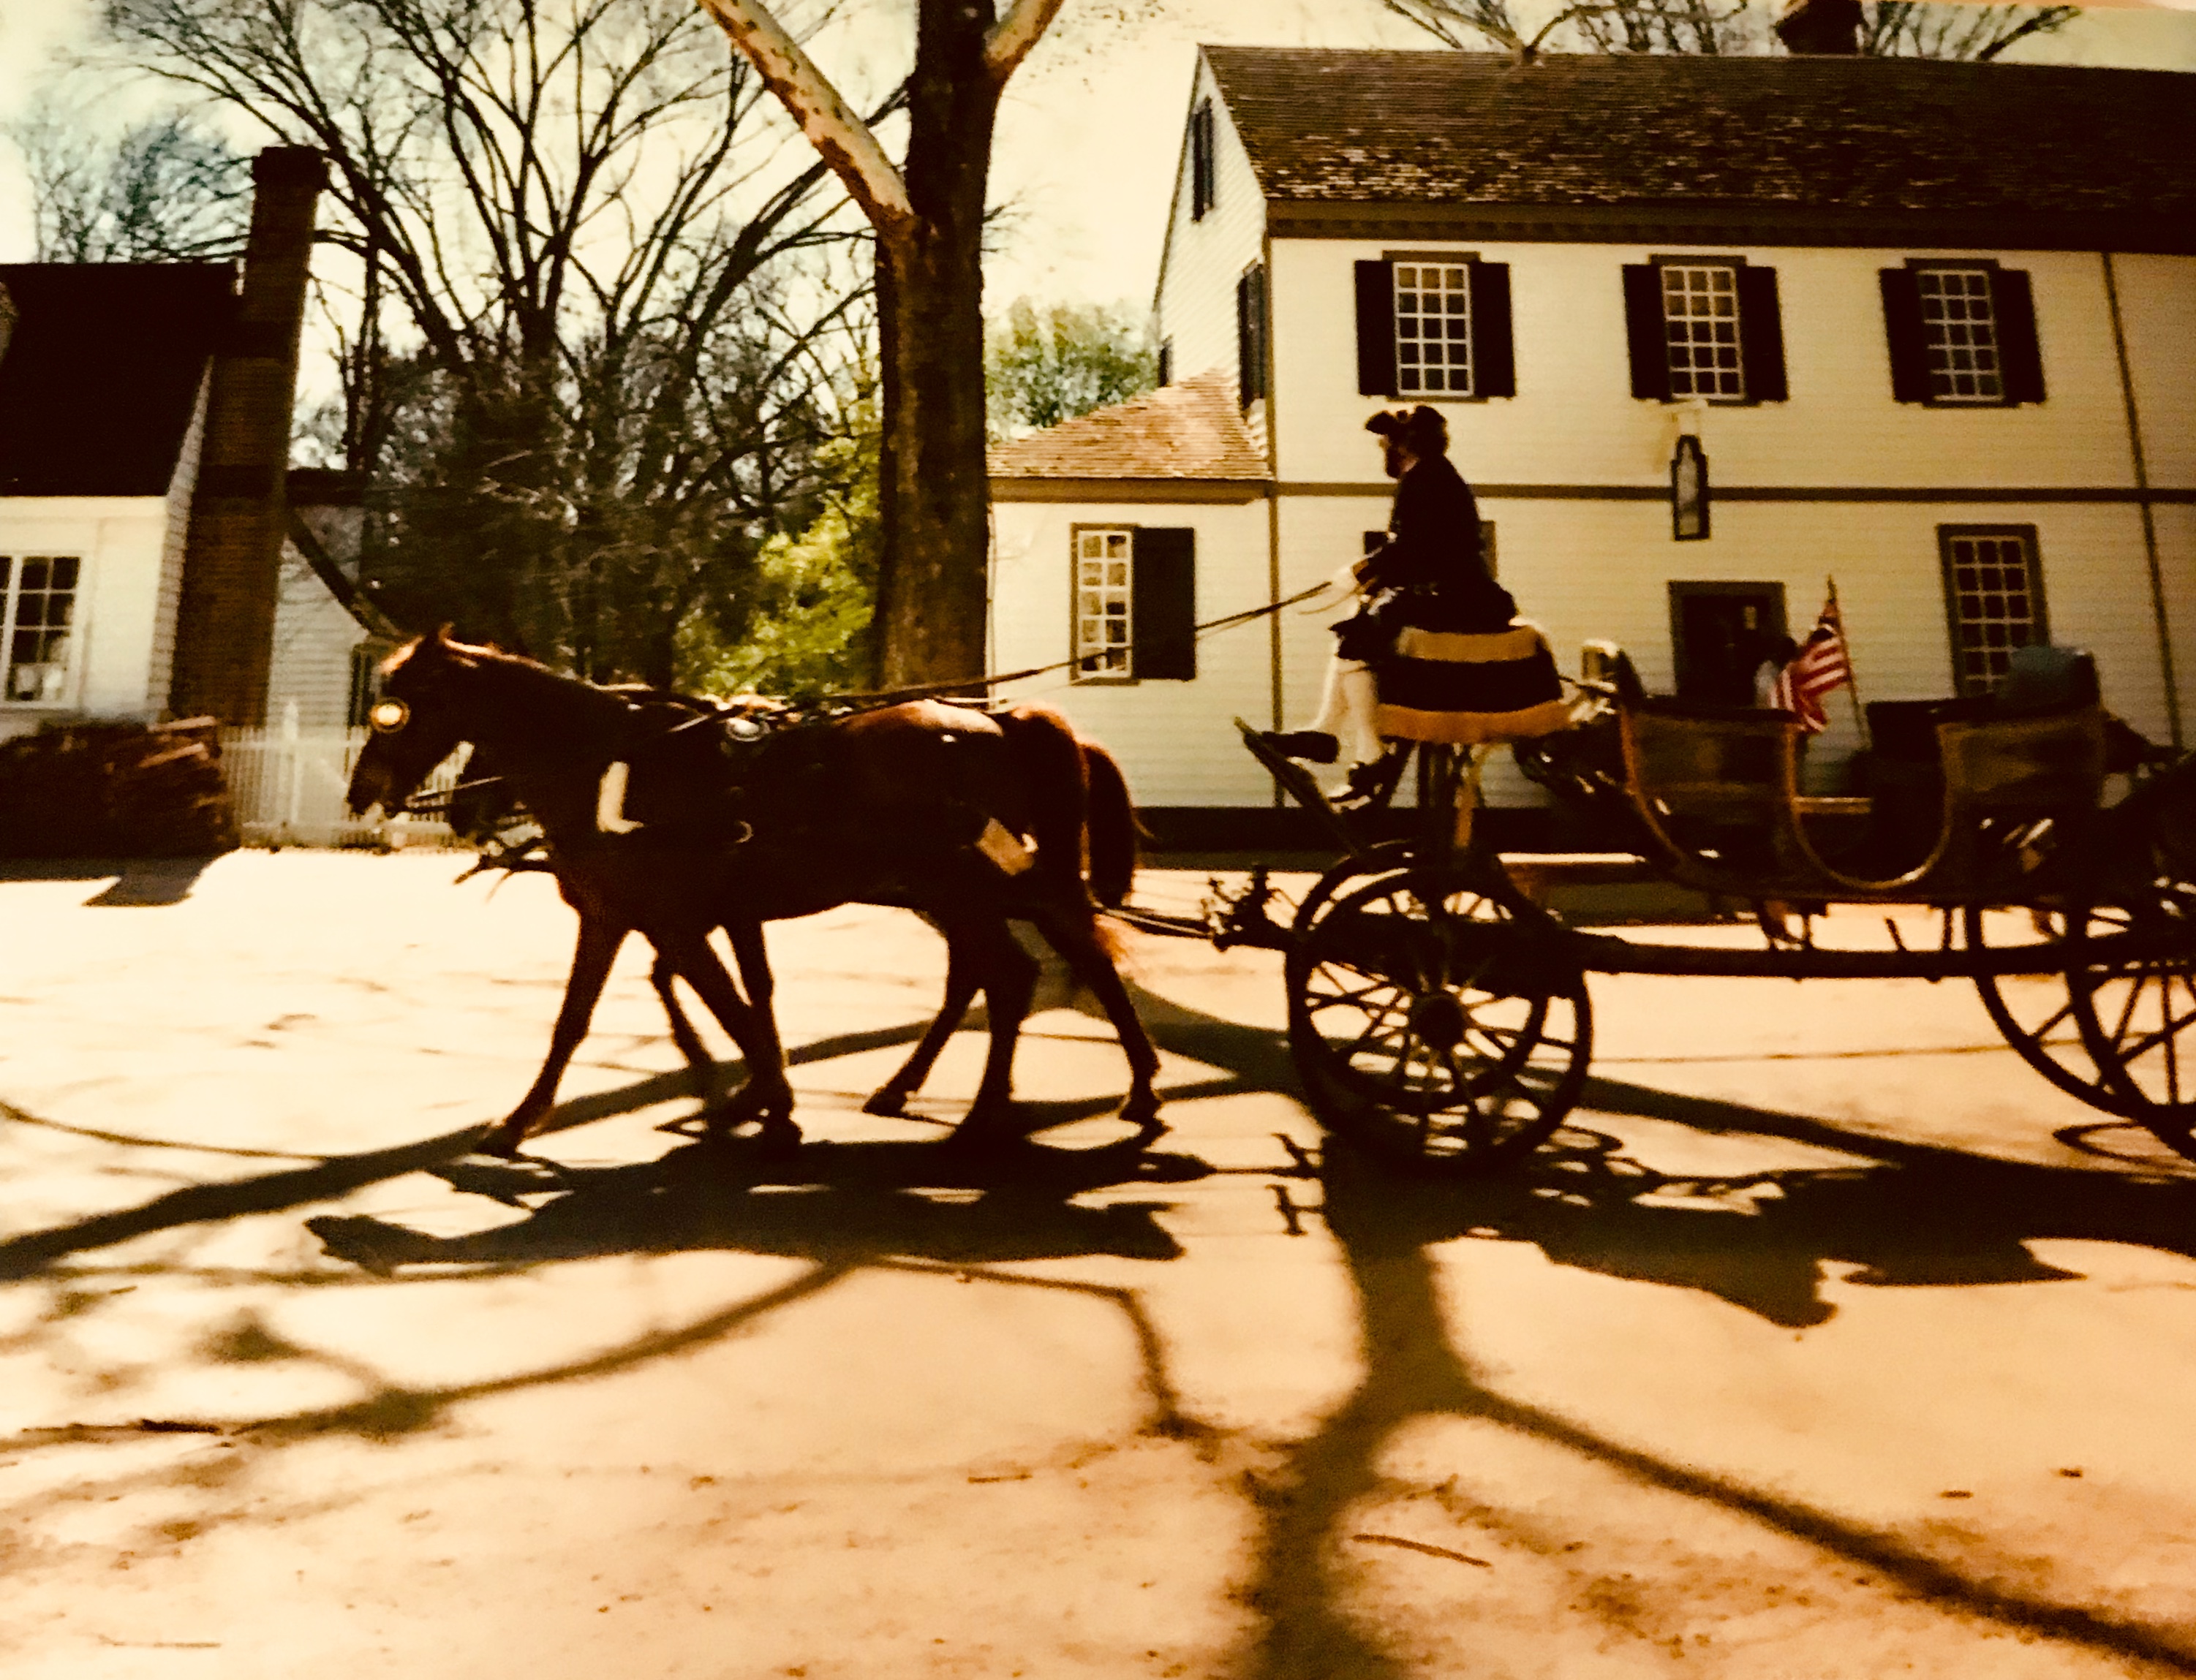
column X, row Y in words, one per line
column 1439, row 1014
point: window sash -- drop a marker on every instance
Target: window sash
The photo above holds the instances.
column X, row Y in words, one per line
column 37, row 612
column 1994, row 597
column 1105, row 604
column 1960, row 335
column 1433, row 329
column 1701, row 330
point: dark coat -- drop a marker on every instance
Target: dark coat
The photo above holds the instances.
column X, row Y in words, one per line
column 1430, row 572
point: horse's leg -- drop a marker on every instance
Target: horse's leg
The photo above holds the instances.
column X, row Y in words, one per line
column 767, row 1096
column 890, row 1097
column 600, row 937
column 682, row 1030
column 1074, row 935
column 984, row 947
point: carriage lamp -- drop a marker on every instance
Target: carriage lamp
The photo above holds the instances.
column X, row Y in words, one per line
column 388, row 716
column 1689, row 490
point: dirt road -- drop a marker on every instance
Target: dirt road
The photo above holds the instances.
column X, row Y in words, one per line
column 1814, row 1351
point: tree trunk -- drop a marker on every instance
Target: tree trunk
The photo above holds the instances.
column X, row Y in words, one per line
column 934, row 494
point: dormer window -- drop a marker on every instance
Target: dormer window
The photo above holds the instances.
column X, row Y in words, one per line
column 1204, row 179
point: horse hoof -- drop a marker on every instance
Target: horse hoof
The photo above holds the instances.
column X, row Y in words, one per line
column 888, row 1102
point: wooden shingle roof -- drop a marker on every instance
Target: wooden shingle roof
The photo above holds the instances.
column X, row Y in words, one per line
column 1779, row 135
column 1190, row 431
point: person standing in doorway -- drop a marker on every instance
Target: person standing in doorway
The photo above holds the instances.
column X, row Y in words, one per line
column 1430, row 572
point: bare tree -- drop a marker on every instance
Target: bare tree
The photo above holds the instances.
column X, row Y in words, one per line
column 162, row 191
column 1888, row 28
column 573, row 342
column 928, row 214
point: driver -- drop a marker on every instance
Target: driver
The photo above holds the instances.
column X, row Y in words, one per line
column 1428, row 571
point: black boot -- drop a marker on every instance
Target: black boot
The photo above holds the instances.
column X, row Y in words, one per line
column 1367, row 782
column 1313, row 745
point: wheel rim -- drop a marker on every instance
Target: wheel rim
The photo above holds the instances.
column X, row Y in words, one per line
column 2138, row 1018
column 1428, row 1029
column 2038, row 1014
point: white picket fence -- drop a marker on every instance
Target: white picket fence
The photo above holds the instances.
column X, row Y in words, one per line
column 288, row 784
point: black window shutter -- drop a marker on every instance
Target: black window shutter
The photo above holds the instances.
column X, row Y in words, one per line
column 1643, row 329
column 1200, row 160
column 1761, row 335
column 2020, row 356
column 1246, row 374
column 1163, row 604
column 1903, row 335
column 1376, row 329
column 1494, row 358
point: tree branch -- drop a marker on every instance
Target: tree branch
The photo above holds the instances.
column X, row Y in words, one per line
column 840, row 137
column 1009, row 40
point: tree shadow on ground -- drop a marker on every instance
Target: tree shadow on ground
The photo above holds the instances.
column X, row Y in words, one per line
column 1412, row 1370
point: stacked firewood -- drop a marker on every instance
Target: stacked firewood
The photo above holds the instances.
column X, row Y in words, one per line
column 115, row 790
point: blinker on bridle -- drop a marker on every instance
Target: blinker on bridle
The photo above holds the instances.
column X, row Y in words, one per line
column 388, row 716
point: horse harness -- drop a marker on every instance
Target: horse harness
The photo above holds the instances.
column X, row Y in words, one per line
column 732, row 774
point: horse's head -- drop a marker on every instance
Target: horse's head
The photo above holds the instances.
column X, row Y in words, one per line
column 418, row 721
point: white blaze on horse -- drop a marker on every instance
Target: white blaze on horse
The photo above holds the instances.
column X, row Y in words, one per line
column 670, row 818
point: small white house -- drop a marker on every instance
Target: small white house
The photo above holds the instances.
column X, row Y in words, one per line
column 1932, row 325
column 145, row 565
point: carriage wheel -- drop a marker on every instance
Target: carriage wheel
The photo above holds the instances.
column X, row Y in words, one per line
column 1387, row 859
column 2037, row 1013
column 1438, row 1023
column 2138, row 1018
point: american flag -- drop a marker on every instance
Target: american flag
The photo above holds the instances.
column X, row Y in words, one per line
column 1820, row 667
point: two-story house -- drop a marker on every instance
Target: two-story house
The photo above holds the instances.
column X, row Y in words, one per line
column 1932, row 326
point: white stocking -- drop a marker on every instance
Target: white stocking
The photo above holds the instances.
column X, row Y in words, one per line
column 1348, row 710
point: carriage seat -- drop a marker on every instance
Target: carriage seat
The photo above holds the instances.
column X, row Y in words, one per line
column 1471, row 690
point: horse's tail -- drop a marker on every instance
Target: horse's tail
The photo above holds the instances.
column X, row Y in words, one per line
column 1111, row 824
column 1079, row 812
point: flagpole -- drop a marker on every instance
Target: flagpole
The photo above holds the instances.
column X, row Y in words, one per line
column 1853, row 672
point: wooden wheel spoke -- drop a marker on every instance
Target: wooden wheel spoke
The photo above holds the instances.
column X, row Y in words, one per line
column 2166, row 1035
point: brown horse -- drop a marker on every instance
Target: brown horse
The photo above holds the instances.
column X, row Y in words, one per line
column 660, row 819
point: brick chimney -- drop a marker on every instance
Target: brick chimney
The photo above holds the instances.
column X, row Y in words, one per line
column 1820, row 27
column 233, row 556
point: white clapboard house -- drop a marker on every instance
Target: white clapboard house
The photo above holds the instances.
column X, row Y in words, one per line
column 148, row 568
column 1932, row 326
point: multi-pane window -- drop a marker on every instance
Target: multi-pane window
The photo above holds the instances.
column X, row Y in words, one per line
column 1994, row 595
column 1959, row 325
column 1104, row 602
column 1433, row 329
column 1700, row 324
column 37, row 603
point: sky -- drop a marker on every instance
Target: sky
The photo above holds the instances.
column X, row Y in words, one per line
column 1090, row 129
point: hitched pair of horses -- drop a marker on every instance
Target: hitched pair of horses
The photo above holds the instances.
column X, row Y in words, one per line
column 667, row 816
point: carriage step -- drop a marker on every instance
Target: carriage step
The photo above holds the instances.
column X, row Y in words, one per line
column 1538, row 873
